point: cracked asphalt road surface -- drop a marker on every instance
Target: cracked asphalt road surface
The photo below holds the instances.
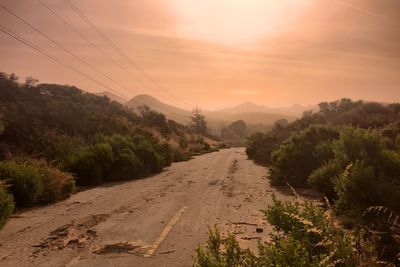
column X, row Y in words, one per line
column 156, row 221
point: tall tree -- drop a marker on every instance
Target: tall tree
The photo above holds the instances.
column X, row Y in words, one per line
column 198, row 122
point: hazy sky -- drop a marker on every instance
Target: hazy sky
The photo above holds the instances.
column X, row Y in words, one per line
column 216, row 53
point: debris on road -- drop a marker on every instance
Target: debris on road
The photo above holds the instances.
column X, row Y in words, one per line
column 120, row 247
column 243, row 223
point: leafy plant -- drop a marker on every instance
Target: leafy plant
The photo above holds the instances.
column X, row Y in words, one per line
column 35, row 181
column 302, row 236
column 384, row 225
column 26, row 183
column 92, row 164
column 6, row 204
column 57, row 185
column 302, row 153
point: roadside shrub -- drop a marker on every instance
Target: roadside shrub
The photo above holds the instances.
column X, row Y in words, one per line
column 363, row 172
column 260, row 146
column 152, row 161
column 120, row 157
column 397, row 143
column 384, row 228
column 322, row 179
column 356, row 168
column 6, row 204
column 60, row 149
column 302, row 237
column 179, row 155
column 92, row 164
column 126, row 166
column 57, row 185
column 302, row 153
column 212, row 255
column 26, row 182
column 36, row 182
column 360, row 144
column 359, row 187
column 166, row 153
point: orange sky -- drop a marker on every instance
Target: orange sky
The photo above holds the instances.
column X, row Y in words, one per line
column 217, row 53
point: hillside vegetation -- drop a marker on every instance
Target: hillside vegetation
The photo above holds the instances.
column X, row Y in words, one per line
column 348, row 151
column 54, row 138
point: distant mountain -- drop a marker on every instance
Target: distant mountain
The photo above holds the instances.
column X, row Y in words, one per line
column 251, row 113
column 253, row 118
column 295, row 110
column 245, row 107
column 113, row 97
column 171, row 112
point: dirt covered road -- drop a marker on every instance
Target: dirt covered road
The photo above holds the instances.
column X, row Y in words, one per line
column 156, row 221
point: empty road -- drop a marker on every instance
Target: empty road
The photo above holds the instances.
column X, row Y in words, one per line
column 156, row 221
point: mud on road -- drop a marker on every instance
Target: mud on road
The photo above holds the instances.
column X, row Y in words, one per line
column 156, row 221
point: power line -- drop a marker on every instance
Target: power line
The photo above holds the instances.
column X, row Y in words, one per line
column 22, row 40
column 26, row 42
column 86, row 39
column 62, row 47
column 80, row 34
column 116, row 48
column 364, row 11
column 120, row 52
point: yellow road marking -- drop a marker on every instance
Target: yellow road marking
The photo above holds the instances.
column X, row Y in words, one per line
column 165, row 232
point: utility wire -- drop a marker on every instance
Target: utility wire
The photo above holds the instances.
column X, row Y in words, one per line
column 88, row 41
column 120, row 52
column 26, row 42
column 62, row 47
column 22, row 40
column 80, row 34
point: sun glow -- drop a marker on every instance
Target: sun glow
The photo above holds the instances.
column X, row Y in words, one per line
column 236, row 21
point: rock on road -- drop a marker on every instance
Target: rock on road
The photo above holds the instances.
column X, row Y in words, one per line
column 156, row 221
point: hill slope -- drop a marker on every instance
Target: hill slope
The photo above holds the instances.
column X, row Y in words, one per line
column 171, row 112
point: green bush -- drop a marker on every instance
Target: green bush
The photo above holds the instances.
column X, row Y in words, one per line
column 302, row 153
column 120, row 157
column 57, row 185
column 260, row 147
column 126, row 166
column 26, row 182
column 355, row 167
column 179, row 156
column 212, row 255
column 322, row 179
column 92, row 164
column 359, row 187
column 166, row 152
column 6, row 204
column 360, row 144
column 363, row 172
column 152, row 161
column 302, row 237
column 35, row 182
column 338, row 113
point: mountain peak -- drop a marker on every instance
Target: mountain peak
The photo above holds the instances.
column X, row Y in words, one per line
column 144, row 96
column 248, row 104
column 245, row 107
